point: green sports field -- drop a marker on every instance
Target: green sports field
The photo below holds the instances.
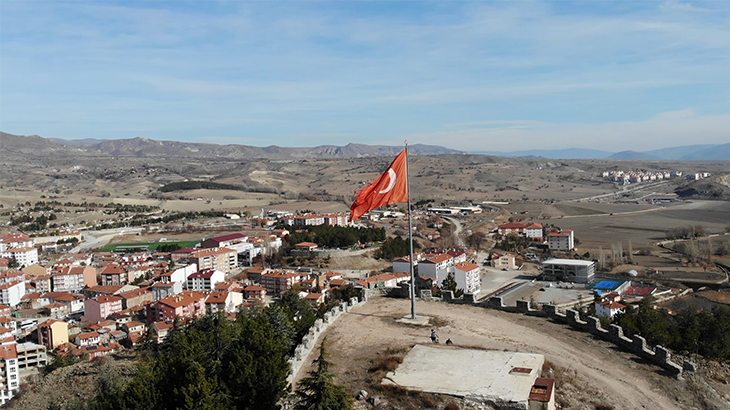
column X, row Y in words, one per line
column 149, row 245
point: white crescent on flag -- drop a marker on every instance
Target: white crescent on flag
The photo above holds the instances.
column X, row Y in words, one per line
column 389, row 188
column 391, row 183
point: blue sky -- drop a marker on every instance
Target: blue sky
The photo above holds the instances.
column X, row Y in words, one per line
column 496, row 76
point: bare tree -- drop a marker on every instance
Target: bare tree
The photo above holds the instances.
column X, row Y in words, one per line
column 692, row 251
column 476, row 239
column 614, row 251
column 601, row 258
column 631, row 252
column 620, row 253
column 709, row 250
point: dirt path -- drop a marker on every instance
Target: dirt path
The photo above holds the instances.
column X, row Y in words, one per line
column 358, row 337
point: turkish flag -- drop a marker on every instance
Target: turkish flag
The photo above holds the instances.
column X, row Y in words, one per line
column 390, row 188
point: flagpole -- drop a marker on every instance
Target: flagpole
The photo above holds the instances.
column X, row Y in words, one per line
column 410, row 241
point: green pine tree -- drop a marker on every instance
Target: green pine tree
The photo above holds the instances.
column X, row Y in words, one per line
column 318, row 391
column 450, row 284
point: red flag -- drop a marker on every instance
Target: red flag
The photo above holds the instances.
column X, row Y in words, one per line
column 390, row 188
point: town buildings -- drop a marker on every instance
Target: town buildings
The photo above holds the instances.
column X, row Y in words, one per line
column 9, row 371
column 100, row 307
column 204, row 279
column 188, row 304
column 278, row 282
column 561, row 241
column 533, row 230
column 73, row 278
column 468, row 277
column 53, row 333
column 222, row 259
column 569, row 270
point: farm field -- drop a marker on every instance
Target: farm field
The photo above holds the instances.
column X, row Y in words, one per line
column 646, row 228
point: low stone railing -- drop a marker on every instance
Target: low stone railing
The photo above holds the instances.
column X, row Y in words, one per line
column 615, row 334
column 309, row 341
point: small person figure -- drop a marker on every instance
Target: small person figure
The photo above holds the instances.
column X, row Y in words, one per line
column 449, row 342
column 434, row 336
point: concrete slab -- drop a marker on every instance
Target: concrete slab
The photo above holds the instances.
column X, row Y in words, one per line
column 494, row 279
column 492, row 376
column 551, row 293
column 418, row 321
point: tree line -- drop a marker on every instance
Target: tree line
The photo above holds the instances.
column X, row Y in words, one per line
column 214, row 363
column 336, row 236
column 140, row 220
column 704, row 332
column 395, row 248
column 190, row 185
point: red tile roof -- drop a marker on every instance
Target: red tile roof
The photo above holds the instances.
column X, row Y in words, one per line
column 107, row 298
column 438, row 258
column 466, row 266
column 8, row 351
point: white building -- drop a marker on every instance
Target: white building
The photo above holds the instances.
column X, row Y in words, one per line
column 26, row 255
column 11, row 293
column 563, row 241
column 179, row 275
column 15, row 240
column 161, row 290
column 608, row 308
column 436, row 266
column 205, row 279
column 304, row 220
column 87, row 339
column 534, row 230
column 404, row 265
column 467, row 277
column 569, row 270
column 9, row 372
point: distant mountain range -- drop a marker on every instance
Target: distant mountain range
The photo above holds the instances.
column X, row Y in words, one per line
column 706, row 152
column 145, row 147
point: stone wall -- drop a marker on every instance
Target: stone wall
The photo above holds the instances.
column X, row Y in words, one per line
column 310, row 340
column 615, row 334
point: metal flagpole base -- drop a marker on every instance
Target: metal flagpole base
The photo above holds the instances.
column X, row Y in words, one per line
column 418, row 321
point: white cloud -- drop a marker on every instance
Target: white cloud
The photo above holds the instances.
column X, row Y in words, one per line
column 676, row 5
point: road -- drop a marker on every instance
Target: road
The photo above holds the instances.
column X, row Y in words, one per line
column 457, row 231
column 643, row 211
column 97, row 239
column 625, row 189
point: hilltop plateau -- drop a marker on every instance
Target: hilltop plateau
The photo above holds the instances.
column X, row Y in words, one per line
column 179, row 177
column 139, row 167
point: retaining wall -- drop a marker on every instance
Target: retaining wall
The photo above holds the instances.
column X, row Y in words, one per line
column 615, row 334
column 310, row 340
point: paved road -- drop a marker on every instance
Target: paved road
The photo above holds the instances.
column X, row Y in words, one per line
column 457, row 231
column 97, row 239
column 625, row 189
column 643, row 211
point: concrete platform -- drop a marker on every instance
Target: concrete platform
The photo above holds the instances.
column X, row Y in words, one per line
column 418, row 321
column 490, row 376
column 551, row 294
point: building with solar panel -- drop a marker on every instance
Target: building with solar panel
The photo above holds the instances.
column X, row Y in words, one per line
column 568, row 270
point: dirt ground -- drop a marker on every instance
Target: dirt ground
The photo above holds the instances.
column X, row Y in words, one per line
column 588, row 372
